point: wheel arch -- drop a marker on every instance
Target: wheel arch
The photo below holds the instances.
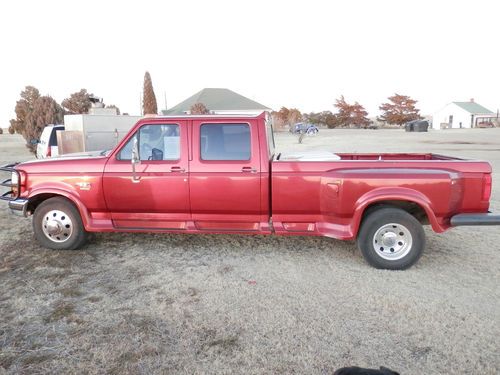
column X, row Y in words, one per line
column 37, row 197
column 411, row 201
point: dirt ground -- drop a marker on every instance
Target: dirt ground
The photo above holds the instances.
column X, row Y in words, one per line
column 220, row 304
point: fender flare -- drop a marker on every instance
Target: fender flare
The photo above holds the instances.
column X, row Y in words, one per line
column 84, row 213
column 394, row 194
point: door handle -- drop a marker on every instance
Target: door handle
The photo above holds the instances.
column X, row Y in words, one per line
column 249, row 170
column 177, row 169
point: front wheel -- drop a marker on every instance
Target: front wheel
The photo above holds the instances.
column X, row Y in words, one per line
column 57, row 225
column 391, row 238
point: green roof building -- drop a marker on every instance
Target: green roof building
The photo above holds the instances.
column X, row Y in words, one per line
column 456, row 115
column 218, row 101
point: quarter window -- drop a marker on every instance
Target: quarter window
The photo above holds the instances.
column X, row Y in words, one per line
column 225, row 142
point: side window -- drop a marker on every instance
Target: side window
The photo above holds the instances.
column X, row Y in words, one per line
column 53, row 136
column 225, row 142
column 156, row 142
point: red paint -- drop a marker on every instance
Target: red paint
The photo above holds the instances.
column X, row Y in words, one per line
column 191, row 195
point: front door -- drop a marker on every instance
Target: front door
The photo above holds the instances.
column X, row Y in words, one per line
column 157, row 197
column 225, row 176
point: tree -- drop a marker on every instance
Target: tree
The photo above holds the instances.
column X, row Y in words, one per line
column 149, row 106
column 399, row 110
column 33, row 113
column 286, row 117
column 359, row 114
column 114, row 106
column 350, row 114
column 326, row 118
column 78, row 102
column 199, row 109
column 24, row 107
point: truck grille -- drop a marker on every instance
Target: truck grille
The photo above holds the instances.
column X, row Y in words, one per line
column 9, row 191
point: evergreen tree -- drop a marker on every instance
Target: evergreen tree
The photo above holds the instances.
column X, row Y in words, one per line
column 149, row 105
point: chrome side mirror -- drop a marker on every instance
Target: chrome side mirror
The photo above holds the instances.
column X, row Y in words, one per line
column 135, row 160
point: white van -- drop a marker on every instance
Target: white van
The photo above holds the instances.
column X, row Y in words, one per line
column 47, row 145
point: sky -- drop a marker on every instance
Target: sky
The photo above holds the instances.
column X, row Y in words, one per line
column 301, row 54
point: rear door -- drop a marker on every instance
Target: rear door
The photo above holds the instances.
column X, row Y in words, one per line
column 159, row 196
column 225, row 181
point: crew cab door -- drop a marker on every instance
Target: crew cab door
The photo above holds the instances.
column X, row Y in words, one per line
column 225, row 181
column 157, row 195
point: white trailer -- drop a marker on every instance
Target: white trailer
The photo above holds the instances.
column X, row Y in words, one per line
column 99, row 131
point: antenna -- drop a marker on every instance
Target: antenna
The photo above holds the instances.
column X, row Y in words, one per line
column 165, row 97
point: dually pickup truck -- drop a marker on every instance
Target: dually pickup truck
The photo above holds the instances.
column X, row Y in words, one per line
column 220, row 174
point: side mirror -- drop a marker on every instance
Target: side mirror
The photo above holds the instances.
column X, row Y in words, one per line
column 157, row 154
column 135, row 160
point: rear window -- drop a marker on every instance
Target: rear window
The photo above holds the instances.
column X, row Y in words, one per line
column 225, row 142
column 53, row 136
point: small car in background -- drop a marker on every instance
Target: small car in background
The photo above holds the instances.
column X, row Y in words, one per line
column 47, row 144
column 304, row 128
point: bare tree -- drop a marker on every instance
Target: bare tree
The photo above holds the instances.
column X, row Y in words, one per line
column 114, row 106
column 199, row 109
column 33, row 113
column 78, row 102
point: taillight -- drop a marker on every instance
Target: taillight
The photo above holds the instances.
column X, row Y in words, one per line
column 486, row 187
column 48, row 152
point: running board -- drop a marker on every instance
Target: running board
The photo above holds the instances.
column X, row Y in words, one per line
column 475, row 219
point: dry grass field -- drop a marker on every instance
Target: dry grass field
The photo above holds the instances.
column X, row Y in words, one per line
column 221, row 304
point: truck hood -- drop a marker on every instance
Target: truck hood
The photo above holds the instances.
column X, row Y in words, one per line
column 67, row 157
column 80, row 162
column 313, row 155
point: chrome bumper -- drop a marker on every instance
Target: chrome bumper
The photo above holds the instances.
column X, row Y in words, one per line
column 475, row 219
column 19, row 206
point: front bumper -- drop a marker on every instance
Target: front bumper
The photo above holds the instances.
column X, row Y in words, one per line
column 19, row 206
column 475, row 219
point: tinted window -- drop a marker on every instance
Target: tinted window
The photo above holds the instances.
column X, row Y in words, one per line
column 155, row 142
column 53, row 136
column 225, row 142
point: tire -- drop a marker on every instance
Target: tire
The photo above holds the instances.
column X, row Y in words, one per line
column 57, row 225
column 391, row 238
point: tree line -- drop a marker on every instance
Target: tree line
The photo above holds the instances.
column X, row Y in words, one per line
column 35, row 111
column 398, row 110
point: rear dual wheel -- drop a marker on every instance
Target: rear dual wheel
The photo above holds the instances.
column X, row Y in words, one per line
column 391, row 238
column 57, row 225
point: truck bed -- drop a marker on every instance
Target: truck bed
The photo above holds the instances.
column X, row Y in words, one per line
column 322, row 197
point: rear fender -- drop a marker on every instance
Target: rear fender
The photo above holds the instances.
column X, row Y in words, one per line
column 394, row 194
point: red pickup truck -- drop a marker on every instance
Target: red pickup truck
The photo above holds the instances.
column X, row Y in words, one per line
column 220, row 174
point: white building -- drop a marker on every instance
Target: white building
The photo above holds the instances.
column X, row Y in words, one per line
column 458, row 115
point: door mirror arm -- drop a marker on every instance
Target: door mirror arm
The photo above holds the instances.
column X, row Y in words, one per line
column 135, row 160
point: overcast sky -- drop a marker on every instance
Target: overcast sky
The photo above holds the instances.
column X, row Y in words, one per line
column 301, row 54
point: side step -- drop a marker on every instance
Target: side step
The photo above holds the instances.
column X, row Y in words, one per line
column 475, row 219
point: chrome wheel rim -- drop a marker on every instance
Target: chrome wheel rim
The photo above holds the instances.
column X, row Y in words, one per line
column 392, row 241
column 57, row 226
